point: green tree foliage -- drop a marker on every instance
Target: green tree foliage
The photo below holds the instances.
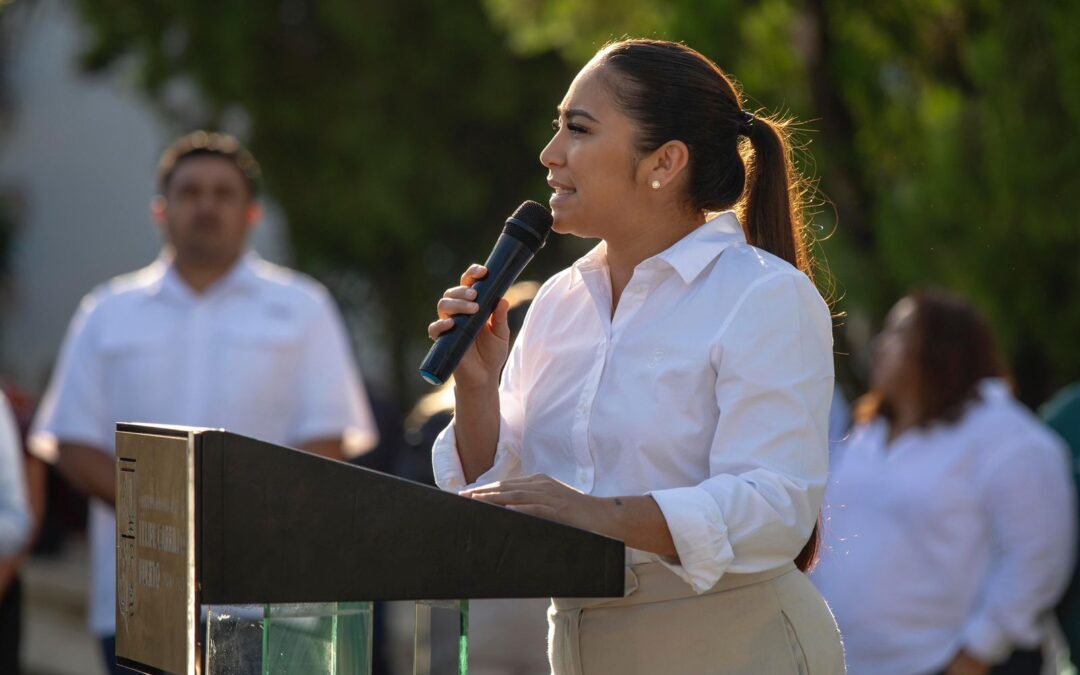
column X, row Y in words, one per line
column 396, row 136
column 941, row 131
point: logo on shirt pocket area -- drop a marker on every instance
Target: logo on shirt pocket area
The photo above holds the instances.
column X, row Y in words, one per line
column 260, row 363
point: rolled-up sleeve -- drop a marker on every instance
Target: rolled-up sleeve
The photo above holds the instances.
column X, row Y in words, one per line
column 446, row 463
column 1030, row 502
column 768, row 461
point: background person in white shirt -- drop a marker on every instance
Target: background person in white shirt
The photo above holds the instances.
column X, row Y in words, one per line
column 672, row 388
column 949, row 516
column 22, row 478
column 208, row 335
column 15, row 520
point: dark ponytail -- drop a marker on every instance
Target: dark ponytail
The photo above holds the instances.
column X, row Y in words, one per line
column 737, row 160
column 771, row 212
column 772, row 206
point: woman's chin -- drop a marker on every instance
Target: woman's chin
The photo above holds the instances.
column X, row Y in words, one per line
column 575, row 225
column 561, row 222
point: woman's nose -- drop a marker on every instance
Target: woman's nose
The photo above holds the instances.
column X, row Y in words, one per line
column 552, row 154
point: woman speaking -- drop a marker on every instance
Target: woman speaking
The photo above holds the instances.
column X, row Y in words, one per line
column 671, row 388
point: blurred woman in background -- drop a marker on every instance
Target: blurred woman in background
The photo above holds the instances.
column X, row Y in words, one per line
column 949, row 512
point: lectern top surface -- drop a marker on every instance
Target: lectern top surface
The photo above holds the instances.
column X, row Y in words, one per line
column 161, row 429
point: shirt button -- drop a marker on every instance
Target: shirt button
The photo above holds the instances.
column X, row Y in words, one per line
column 582, row 476
column 583, row 408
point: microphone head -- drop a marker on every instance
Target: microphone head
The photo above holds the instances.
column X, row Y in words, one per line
column 531, row 223
column 533, row 214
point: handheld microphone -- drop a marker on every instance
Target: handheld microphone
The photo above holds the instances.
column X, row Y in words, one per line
column 525, row 233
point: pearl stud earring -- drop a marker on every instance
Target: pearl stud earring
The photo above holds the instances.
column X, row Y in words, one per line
column 655, row 185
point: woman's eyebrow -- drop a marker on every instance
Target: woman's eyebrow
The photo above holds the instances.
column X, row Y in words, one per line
column 576, row 112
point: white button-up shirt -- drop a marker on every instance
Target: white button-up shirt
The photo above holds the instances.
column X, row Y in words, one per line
column 957, row 536
column 14, row 508
column 708, row 389
column 262, row 353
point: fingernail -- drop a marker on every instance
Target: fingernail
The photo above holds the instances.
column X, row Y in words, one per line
column 471, row 293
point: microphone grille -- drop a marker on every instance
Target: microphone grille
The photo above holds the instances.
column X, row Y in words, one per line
column 533, row 215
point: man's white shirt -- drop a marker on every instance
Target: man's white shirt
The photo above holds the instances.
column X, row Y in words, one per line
column 709, row 389
column 262, row 353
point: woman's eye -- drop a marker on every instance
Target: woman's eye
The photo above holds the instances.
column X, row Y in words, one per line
column 575, row 129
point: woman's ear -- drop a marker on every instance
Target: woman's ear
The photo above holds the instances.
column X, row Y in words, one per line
column 665, row 165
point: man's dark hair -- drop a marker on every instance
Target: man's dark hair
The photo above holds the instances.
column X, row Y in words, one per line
column 208, row 144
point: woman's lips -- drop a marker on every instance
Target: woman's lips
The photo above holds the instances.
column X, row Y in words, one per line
column 561, row 193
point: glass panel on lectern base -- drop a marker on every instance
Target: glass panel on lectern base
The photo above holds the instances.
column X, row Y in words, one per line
column 441, row 637
column 332, row 638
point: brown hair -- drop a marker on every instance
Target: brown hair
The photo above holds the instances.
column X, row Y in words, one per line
column 203, row 144
column 949, row 349
column 673, row 92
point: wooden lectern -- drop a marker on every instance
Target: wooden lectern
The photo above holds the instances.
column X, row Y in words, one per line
column 208, row 517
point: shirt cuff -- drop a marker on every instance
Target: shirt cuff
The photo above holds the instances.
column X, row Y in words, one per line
column 446, row 464
column 986, row 641
column 697, row 527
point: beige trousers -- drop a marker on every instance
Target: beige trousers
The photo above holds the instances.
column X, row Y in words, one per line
column 770, row 623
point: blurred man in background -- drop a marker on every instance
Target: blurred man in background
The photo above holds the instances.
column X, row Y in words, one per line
column 207, row 335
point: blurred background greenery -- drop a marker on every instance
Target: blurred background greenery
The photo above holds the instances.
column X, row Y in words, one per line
column 396, row 135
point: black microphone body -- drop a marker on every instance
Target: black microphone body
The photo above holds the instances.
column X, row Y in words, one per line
column 525, row 233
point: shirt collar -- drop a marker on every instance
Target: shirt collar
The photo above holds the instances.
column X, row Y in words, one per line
column 995, row 389
column 688, row 257
column 692, row 254
column 167, row 283
column 595, row 259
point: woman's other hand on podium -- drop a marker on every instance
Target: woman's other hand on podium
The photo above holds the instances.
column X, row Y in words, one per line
column 543, row 496
column 637, row 521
